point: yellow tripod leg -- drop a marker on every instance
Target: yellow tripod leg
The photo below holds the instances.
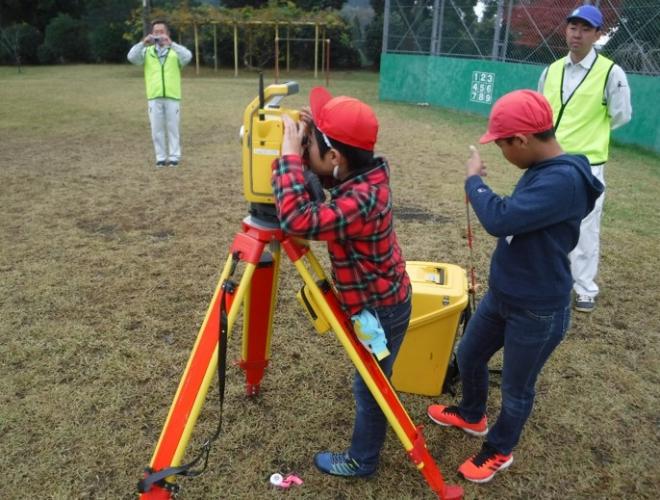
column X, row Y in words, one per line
column 196, row 379
column 410, row 436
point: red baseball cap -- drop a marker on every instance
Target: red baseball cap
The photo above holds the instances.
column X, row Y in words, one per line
column 345, row 119
column 518, row 112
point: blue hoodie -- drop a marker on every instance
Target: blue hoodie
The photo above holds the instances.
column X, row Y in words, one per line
column 537, row 227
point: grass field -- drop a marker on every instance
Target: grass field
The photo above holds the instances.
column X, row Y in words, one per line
column 107, row 267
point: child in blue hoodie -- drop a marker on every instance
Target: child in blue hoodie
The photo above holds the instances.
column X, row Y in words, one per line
column 526, row 310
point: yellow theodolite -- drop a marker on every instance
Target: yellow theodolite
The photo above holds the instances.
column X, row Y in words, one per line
column 261, row 139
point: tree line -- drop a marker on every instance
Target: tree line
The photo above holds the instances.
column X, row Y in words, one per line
column 102, row 31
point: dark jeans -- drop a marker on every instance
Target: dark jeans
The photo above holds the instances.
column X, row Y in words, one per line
column 528, row 338
column 370, row 423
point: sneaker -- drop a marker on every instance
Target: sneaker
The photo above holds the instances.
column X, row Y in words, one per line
column 160, row 164
column 585, row 303
column 449, row 416
column 481, row 467
column 174, row 164
column 340, row 464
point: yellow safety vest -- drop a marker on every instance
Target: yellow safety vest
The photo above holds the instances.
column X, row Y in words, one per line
column 162, row 80
column 582, row 124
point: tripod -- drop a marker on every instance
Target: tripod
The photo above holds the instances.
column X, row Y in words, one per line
column 257, row 291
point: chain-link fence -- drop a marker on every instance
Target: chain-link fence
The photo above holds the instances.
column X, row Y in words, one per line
column 528, row 31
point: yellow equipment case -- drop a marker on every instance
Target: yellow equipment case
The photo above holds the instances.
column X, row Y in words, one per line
column 439, row 297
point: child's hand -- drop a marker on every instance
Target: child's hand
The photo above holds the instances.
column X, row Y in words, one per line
column 474, row 165
column 293, row 134
column 306, row 116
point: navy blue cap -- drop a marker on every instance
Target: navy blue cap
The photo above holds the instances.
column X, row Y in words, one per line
column 589, row 14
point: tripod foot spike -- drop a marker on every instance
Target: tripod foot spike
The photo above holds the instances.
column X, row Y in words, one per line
column 252, row 390
column 452, row 492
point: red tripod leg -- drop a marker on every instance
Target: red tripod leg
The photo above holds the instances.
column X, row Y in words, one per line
column 258, row 311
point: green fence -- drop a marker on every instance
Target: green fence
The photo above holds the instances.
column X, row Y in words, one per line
column 473, row 85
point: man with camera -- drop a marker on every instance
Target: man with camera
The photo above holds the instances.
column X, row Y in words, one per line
column 162, row 60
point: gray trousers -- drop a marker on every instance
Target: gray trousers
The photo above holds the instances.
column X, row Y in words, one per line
column 164, row 117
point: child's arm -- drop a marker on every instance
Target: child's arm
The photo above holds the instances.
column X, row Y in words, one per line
column 300, row 215
column 540, row 203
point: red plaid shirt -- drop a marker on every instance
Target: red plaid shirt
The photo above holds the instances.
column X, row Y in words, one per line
column 367, row 264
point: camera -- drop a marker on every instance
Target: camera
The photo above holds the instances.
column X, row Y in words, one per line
column 261, row 136
column 155, row 39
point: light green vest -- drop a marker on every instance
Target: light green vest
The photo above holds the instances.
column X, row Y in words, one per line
column 162, row 80
column 582, row 124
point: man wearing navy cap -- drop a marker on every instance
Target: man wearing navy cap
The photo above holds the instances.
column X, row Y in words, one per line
column 589, row 95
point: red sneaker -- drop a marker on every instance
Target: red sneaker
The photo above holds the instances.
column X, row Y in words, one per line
column 449, row 417
column 481, row 467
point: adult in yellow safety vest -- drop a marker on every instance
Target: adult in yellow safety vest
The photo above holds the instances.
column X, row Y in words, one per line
column 589, row 96
column 162, row 60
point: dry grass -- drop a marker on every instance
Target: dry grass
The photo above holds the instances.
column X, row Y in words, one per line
column 107, row 267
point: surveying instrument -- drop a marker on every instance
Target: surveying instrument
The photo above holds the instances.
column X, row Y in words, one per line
column 258, row 248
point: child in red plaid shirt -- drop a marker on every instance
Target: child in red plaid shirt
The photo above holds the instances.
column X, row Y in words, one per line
column 367, row 264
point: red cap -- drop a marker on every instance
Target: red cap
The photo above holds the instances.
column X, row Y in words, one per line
column 518, row 112
column 344, row 119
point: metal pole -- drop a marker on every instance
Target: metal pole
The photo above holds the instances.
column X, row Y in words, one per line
column 327, row 64
column 434, row 29
column 496, row 30
column 441, row 21
column 323, row 49
column 196, row 49
column 235, row 50
column 288, row 46
column 316, row 50
column 146, row 14
column 277, row 53
column 505, row 48
column 386, row 25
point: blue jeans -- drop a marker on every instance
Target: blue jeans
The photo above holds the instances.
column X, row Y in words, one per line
column 370, row 423
column 528, row 338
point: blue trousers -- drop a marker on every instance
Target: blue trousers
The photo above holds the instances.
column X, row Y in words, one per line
column 528, row 338
column 370, row 423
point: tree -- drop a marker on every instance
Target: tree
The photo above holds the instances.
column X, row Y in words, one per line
column 65, row 41
column 106, row 23
column 18, row 44
column 378, row 6
column 540, row 26
column 38, row 13
column 307, row 5
column 373, row 42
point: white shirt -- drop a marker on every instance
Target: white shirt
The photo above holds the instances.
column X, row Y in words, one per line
column 616, row 94
column 136, row 54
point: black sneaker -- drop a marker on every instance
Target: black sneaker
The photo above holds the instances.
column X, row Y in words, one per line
column 174, row 164
column 160, row 164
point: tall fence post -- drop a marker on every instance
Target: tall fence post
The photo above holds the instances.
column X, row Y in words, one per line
column 496, row 30
column 196, row 48
column 505, row 47
column 441, row 22
column 316, row 50
column 386, row 25
column 434, row 30
column 146, row 14
column 235, row 49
